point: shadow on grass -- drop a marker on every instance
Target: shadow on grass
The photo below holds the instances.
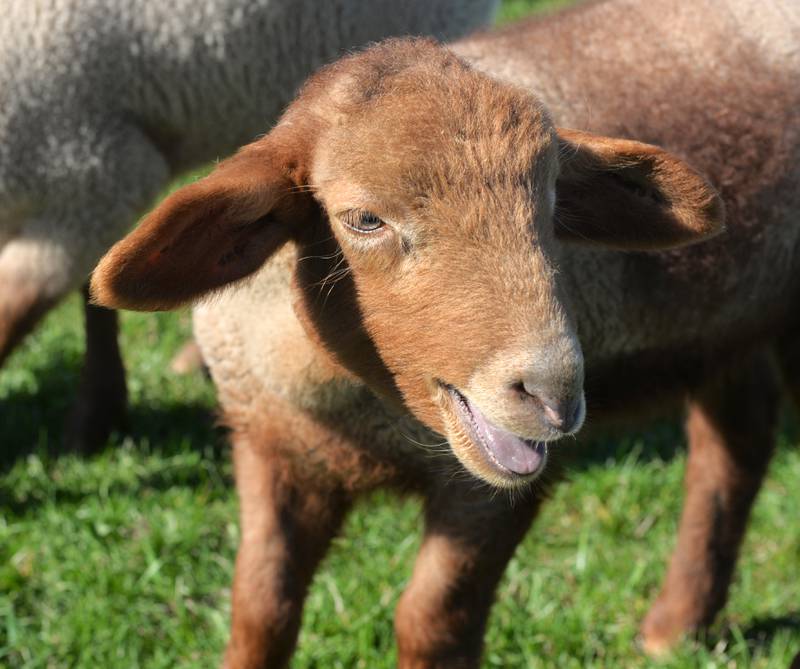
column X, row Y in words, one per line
column 32, row 421
column 758, row 633
column 761, row 630
column 168, row 431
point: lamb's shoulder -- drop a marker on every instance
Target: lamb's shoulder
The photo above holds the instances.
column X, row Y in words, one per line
column 260, row 355
column 252, row 340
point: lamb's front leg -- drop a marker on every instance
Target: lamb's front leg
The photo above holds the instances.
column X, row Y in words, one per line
column 286, row 527
column 731, row 429
column 470, row 535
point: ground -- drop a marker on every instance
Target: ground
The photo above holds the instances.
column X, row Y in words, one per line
column 125, row 559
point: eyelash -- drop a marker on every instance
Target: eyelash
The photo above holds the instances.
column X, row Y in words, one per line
column 354, row 218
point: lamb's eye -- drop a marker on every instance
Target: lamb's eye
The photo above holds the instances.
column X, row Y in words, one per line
column 362, row 221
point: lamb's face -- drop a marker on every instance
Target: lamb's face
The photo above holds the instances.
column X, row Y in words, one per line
column 442, row 204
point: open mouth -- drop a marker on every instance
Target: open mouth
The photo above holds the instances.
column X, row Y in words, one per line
column 507, row 453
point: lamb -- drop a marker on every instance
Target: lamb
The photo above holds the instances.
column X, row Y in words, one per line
column 428, row 254
column 103, row 103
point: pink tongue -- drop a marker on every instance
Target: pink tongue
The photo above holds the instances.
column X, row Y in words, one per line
column 507, row 449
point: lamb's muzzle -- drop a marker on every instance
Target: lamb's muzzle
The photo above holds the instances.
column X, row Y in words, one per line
column 512, row 455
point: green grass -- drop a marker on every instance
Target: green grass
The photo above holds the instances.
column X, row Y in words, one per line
column 125, row 559
column 511, row 10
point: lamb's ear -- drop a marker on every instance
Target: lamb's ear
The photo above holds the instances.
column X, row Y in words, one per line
column 628, row 195
column 207, row 234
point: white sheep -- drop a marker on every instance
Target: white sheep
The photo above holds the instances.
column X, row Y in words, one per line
column 103, row 102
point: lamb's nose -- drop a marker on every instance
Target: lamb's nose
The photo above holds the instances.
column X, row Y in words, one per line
column 565, row 414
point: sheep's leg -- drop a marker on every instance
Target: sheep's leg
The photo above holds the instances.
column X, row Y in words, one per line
column 131, row 175
column 286, row 528
column 102, row 400
column 731, row 429
column 23, row 302
column 469, row 538
column 55, row 249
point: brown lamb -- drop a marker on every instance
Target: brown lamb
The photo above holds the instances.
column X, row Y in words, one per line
column 428, row 254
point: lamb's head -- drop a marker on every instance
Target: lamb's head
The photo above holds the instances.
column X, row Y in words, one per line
column 428, row 204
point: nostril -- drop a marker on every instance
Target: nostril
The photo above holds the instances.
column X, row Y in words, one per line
column 553, row 415
column 552, row 411
column 528, row 389
column 573, row 414
column 529, row 394
column 561, row 415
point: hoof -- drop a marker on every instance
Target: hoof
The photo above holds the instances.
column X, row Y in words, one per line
column 661, row 631
column 654, row 647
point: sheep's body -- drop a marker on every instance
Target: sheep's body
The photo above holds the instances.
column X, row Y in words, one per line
column 652, row 325
column 196, row 80
column 102, row 102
